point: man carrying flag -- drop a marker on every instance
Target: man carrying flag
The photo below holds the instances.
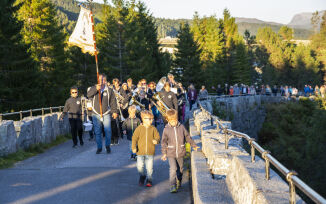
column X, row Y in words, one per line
column 109, row 106
column 83, row 36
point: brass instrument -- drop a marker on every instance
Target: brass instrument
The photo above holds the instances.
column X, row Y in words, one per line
column 161, row 106
column 133, row 101
column 118, row 97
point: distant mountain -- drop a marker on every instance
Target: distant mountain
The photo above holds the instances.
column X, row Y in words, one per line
column 302, row 20
column 254, row 20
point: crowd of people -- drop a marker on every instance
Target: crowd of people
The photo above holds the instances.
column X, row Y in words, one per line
column 287, row 91
column 129, row 111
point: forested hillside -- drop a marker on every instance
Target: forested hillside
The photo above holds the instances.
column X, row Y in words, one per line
column 68, row 13
column 295, row 134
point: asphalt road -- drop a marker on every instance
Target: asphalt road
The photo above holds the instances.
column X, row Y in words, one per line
column 77, row 175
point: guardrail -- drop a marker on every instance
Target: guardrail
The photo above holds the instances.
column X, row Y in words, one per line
column 20, row 113
column 291, row 176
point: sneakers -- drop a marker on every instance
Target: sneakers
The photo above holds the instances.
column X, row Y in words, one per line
column 81, row 143
column 178, row 184
column 108, row 150
column 173, row 189
column 74, row 146
column 149, row 183
column 141, row 180
column 98, row 151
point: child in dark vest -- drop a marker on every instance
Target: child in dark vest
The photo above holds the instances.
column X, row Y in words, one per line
column 174, row 138
column 144, row 140
column 129, row 126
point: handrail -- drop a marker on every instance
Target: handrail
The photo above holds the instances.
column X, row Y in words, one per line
column 291, row 177
column 20, row 113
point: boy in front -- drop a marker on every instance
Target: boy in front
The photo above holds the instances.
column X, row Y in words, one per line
column 174, row 138
column 144, row 140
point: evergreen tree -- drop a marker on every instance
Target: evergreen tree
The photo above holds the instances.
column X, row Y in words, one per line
column 128, row 42
column 19, row 88
column 187, row 57
column 286, row 33
column 241, row 66
column 42, row 31
column 318, row 44
column 111, row 40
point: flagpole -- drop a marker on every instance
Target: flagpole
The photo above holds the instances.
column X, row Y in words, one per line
column 96, row 61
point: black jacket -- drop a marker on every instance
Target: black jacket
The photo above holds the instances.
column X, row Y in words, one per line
column 130, row 124
column 170, row 99
column 73, row 108
column 109, row 102
column 174, row 139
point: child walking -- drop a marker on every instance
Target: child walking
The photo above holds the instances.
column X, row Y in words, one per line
column 174, row 138
column 129, row 126
column 144, row 140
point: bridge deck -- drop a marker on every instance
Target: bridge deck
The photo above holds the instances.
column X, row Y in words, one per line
column 67, row 175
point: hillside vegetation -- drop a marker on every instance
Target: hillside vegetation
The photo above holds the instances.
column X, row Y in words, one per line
column 295, row 134
column 68, row 13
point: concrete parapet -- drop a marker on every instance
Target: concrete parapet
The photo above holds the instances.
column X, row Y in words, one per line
column 247, row 183
column 31, row 130
column 24, row 133
column 8, row 137
column 243, row 179
column 205, row 189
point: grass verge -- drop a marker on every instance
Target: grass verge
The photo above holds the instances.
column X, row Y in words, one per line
column 9, row 160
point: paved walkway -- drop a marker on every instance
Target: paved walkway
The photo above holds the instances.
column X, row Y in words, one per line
column 67, row 175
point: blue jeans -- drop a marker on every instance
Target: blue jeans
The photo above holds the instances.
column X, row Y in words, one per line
column 146, row 160
column 98, row 129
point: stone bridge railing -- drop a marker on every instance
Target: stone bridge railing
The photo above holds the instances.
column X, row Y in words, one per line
column 15, row 135
column 244, row 172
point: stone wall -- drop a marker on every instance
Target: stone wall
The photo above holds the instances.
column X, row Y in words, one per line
column 15, row 135
column 247, row 113
column 238, row 177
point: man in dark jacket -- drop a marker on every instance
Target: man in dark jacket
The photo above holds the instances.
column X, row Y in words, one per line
column 168, row 97
column 74, row 110
column 109, row 107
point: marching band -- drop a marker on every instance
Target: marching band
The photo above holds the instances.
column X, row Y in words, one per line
column 155, row 97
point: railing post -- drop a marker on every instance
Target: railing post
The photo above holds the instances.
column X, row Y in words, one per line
column 264, row 155
column 21, row 115
column 30, row 112
column 252, row 150
column 42, row 111
column 51, row 110
column 291, row 186
column 0, row 117
column 226, row 135
column 60, row 109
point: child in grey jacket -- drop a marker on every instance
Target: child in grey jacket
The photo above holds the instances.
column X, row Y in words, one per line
column 129, row 126
column 174, row 138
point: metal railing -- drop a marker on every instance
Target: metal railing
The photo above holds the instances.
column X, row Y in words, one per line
column 31, row 111
column 291, row 176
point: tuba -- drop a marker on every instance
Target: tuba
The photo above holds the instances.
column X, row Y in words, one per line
column 160, row 84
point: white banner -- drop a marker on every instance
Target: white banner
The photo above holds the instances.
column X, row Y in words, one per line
column 83, row 33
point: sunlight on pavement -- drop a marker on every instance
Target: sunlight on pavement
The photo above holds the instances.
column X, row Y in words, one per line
column 66, row 187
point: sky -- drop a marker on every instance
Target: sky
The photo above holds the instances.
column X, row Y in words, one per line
column 280, row 11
